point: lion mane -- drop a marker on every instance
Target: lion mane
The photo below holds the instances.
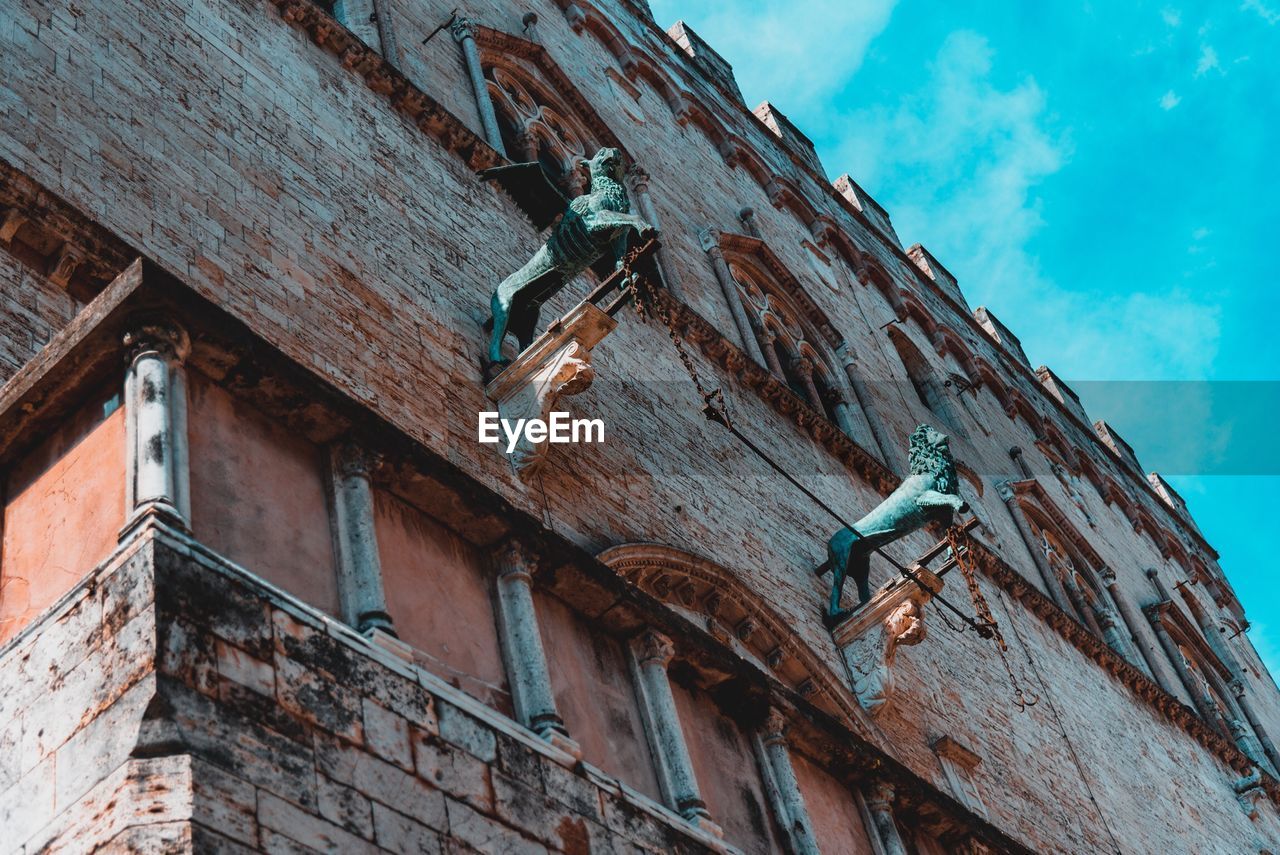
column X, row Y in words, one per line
column 926, row 458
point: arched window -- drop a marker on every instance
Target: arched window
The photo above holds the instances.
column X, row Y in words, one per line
column 786, row 345
column 535, row 128
column 928, row 386
column 1076, row 578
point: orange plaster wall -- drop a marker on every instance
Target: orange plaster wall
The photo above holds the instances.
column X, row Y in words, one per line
column 257, row 495
column 837, row 822
column 63, row 513
column 595, row 695
column 438, row 594
column 728, row 778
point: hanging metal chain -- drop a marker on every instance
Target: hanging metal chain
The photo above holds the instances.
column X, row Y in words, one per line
column 986, row 626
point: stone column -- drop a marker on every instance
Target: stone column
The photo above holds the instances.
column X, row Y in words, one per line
column 359, row 17
column 155, row 400
column 748, row 217
column 355, row 542
column 1238, row 689
column 463, row 35
column 868, row 431
column 640, row 185
column 1047, row 575
column 795, row 818
column 1155, row 614
column 710, row 240
column 1147, row 660
column 522, row 650
column 771, row 354
column 804, row 367
column 845, row 418
column 879, row 801
column 651, row 652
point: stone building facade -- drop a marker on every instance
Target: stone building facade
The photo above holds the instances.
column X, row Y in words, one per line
column 261, row 589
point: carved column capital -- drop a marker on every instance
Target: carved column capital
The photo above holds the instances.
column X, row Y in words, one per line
column 639, row 178
column 654, row 648
column 803, row 366
column 880, row 796
column 775, row 727
column 352, row 460
column 1236, row 685
column 515, row 559
column 709, row 240
column 462, row 28
column 157, row 334
column 1108, row 576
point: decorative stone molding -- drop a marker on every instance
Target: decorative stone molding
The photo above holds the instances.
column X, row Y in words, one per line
column 878, row 799
column 1249, row 791
column 737, row 618
column 382, row 76
column 870, row 637
column 155, row 401
column 522, row 650
column 651, row 652
column 557, row 365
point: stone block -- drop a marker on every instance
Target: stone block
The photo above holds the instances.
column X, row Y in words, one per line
column 387, row 734
column 380, row 781
column 466, row 731
column 293, row 822
column 487, row 835
column 344, row 807
column 398, row 833
column 449, row 768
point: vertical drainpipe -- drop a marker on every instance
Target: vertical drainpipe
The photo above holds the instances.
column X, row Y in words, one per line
column 465, row 36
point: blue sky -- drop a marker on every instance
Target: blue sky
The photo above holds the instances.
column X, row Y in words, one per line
column 1104, row 177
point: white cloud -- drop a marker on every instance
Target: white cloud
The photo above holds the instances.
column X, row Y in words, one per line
column 1268, row 14
column 1208, row 61
column 797, row 61
column 1169, row 100
column 1172, row 17
column 1200, row 233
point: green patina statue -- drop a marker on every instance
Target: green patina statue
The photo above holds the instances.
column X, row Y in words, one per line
column 929, row 494
column 594, row 224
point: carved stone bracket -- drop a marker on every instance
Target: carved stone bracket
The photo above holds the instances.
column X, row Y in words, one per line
column 869, row 639
column 555, row 366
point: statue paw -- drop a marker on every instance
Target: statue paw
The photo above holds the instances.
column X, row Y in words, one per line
column 493, row 368
column 831, row 621
column 962, row 508
column 647, row 232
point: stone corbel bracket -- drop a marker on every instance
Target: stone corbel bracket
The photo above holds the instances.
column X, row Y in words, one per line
column 869, row 638
column 555, row 366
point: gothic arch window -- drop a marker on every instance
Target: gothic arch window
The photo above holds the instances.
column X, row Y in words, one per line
column 1077, row 579
column 926, row 382
column 788, row 347
column 535, row 127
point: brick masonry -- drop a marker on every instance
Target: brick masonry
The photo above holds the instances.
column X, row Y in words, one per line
column 226, row 144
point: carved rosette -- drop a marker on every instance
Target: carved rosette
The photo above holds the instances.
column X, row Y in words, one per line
column 557, row 365
column 869, row 640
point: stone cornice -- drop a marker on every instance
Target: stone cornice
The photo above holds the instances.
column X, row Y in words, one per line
column 730, row 357
column 384, row 78
column 1139, row 683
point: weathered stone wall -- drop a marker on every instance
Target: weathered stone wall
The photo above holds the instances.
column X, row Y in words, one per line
column 238, row 153
column 221, row 716
column 31, row 310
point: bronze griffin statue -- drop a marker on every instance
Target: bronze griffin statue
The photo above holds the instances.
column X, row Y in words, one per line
column 593, row 232
column 929, row 494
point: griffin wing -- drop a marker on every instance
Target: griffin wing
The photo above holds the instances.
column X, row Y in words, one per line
column 532, row 189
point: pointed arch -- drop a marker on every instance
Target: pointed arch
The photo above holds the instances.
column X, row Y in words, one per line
column 737, row 617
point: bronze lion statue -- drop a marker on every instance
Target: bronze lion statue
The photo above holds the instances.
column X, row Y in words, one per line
column 929, row 494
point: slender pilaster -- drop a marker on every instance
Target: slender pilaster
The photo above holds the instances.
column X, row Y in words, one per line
column 1145, row 654
column 1238, row 689
column 640, row 186
column 359, row 16
column 463, row 35
column 1155, row 614
column 651, row 652
column 867, row 429
column 710, row 239
column 522, row 650
column 155, row 400
column 794, row 818
column 748, row 217
column 879, row 801
column 355, row 542
column 1047, row 575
